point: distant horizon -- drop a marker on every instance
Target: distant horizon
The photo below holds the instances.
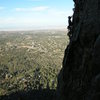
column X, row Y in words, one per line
column 34, row 14
column 35, row 29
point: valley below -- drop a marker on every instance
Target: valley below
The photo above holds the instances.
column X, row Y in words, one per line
column 30, row 60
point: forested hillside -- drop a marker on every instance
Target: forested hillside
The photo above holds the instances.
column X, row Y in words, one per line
column 30, row 60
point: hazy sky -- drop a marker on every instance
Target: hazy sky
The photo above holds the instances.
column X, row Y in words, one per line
column 34, row 14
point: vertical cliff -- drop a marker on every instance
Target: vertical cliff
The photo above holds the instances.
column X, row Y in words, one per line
column 79, row 78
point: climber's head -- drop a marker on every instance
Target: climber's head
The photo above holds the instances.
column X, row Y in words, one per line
column 69, row 17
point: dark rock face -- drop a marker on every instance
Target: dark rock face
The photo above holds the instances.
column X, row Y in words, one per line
column 80, row 75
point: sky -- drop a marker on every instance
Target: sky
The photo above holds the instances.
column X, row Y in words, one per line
column 34, row 14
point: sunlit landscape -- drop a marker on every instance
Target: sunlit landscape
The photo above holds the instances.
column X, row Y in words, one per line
column 30, row 59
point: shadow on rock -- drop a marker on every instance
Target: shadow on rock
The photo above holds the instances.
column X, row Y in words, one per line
column 42, row 94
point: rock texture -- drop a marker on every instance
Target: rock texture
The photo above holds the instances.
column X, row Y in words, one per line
column 79, row 78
